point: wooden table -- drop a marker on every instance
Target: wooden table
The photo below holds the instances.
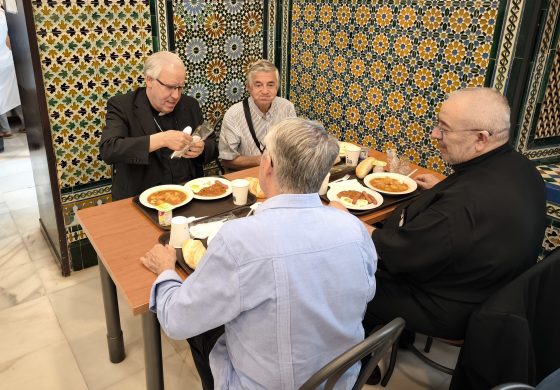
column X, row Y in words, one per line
column 121, row 234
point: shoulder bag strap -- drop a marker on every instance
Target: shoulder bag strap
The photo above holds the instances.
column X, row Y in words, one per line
column 247, row 111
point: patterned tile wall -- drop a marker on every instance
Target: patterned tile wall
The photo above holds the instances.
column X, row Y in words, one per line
column 376, row 72
column 89, row 51
column 218, row 40
column 548, row 124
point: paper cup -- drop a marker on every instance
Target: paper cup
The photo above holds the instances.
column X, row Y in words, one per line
column 325, row 184
column 240, row 189
column 352, row 155
column 179, row 231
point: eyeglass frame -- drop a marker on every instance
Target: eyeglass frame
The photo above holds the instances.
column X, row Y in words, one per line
column 171, row 88
column 446, row 131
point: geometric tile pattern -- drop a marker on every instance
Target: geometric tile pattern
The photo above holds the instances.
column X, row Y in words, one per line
column 376, row 72
column 551, row 176
column 218, row 41
column 89, row 50
column 548, row 124
column 506, row 50
column 547, row 46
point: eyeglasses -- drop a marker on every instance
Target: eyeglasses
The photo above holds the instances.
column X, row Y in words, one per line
column 172, row 88
column 264, row 151
column 444, row 132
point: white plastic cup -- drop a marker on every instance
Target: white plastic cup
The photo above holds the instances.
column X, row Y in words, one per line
column 325, row 184
column 364, row 152
column 352, row 155
column 179, row 231
column 240, row 189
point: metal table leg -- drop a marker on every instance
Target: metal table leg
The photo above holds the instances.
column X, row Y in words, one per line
column 152, row 351
column 115, row 340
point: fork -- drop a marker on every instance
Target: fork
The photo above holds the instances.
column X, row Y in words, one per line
column 343, row 178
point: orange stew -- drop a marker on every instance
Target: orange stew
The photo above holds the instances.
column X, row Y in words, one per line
column 173, row 197
column 388, row 184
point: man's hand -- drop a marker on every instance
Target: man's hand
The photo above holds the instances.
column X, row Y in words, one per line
column 172, row 139
column 160, row 258
column 426, row 181
column 195, row 150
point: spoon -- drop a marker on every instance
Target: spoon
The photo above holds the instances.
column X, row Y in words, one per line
column 410, row 174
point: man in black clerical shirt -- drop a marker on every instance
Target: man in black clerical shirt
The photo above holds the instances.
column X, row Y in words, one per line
column 144, row 127
column 465, row 237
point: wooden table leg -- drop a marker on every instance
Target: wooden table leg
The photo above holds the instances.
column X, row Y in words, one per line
column 115, row 339
column 152, row 351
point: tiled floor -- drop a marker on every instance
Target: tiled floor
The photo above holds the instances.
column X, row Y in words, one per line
column 52, row 329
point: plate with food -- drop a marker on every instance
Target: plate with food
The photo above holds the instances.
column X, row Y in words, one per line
column 171, row 194
column 390, row 183
column 355, row 197
column 209, row 188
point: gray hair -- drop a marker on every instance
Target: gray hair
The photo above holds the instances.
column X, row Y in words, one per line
column 488, row 110
column 302, row 153
column 261, row 66
column 155, row 62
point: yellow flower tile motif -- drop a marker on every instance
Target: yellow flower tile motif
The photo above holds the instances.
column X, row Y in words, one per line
column 335, row 131
column 215, row 25
column 423, row 78
column 455, row 52
column 351, row 136
column 216, row 71
column 341, row 40
column 392, row 126
column 384, row 16
column 377, row 70
column 339, row 64
column 321, row 84
column 353, row 116
column 374, row 96
column 380, row 44
column 323, row 61
column 343, row 14
column 432, row 19
column 308, row 36
column 324, row 38
column 306, row 81
column 252, row 23
column 435, row 163
column 407, row 17
column 487, row 21
column 296, row 12
column 337, row 88
column 427, row 49
column 307, row 58
column 482, row 55
column 355, row 91
column 363, row 15
column 358, row 67
column 449, row 82
column 325, row 13
column 320, row 105
column 403, row 46
column 395, row 100
column 371, row 120
column 414, row 132
column 360, row 42
column 336, row 110
column 304, row 102
column 309, row 12
column 460, row 20
column 419, row 105
column 369, row 141
column 477, row 81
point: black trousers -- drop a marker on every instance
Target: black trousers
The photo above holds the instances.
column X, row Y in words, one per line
column 201, row 346
column 424, row 314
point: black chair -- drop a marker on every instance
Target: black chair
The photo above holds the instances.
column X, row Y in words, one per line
column 376, row 345
column 433, row 363
column 513, row 336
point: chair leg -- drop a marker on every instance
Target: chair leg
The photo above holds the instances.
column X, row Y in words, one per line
column 428, row 345
column 430, row 362
column 392, row 362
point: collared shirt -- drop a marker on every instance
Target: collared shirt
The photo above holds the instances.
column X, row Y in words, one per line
column 235, row 137
column 291, row 284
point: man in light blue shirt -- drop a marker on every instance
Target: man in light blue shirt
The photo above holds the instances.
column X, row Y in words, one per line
column 291, row 283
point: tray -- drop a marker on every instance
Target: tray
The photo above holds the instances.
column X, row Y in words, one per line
column 163, row 239
column 196, row 208
column 388, row 200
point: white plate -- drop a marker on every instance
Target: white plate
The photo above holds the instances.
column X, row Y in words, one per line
column 205, row 182
column 342, row 145
column 402, row 178
column 333, row 192
column 144, row 195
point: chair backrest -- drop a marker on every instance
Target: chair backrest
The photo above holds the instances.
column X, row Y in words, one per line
column 376, row 345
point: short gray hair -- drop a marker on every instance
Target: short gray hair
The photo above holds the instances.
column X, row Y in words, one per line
column 155, row 62
column 488, row 110
column 302, row 153
column 261, row 66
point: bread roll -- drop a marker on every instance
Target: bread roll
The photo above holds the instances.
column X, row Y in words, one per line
column 255, row 187
column 364, row 167
column 193, row 250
